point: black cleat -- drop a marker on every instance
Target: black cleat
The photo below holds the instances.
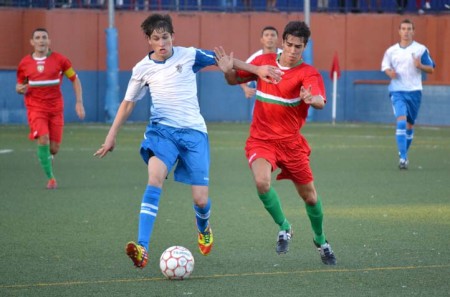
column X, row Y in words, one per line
column 284, row 236
column 326, row 253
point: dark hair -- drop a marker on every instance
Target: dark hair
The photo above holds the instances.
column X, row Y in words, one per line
column 269, row 28
column 157, row 22
column 407, row 21
column 297, row 29
column 39, row 30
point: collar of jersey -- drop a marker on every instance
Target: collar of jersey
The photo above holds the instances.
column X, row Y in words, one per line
column 42, row 58
column 404, row 47
column 284, row 67
column 161, row 62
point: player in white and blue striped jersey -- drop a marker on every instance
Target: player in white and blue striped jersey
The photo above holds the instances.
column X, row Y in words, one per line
column 404, row 63
column 176, row 136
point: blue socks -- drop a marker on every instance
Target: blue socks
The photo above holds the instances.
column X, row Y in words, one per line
column 409, row 137
column 149, row 210
column 202, row 215
column 400, row 135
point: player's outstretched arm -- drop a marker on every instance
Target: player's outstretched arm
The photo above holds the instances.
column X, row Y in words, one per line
column 125, row 109
column 225, row 63
column 228, row 64
column 267, row 73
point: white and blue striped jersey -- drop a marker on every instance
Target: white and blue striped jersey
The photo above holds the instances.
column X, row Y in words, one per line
column 173, row 87
column 400, row 59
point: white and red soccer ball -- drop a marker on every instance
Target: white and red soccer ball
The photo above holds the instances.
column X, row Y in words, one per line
column 176, row 262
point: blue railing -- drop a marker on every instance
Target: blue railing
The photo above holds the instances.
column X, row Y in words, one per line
column 339, row 6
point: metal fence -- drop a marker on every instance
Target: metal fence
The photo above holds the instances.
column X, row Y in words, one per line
column 323, row 6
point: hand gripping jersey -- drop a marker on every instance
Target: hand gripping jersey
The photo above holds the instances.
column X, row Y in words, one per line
column 173, row 87
column 279, row 113
column 44, row 78
column 252, row 84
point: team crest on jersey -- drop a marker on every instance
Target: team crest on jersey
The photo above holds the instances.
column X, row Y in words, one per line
column 179, row 68
column 40, row 68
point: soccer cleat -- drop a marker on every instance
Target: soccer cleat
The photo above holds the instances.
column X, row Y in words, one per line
column 403, row 164
column 284, row 237
column 326, row 253
column 137, row 253
column 51, row 184
column 205, row 241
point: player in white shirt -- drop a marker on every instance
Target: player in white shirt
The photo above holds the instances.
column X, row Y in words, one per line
column 176, row 136
column 172, row 81
column 269, row 41
column 404, row 63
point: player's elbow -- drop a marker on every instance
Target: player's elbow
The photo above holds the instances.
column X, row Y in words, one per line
column 319, row 106
column 319, row 102
column 231, row 80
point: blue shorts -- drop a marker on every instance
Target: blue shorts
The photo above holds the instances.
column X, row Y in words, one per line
column 406, row 104
column 188, row 149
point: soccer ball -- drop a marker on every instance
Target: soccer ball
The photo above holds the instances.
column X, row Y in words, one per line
column 176, row 262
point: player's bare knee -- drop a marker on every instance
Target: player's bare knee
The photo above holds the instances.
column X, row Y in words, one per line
column 311, row 200
column 200, row 195
column 262, row 186
column 155, row 181
column 201, row 202
column 43, row 140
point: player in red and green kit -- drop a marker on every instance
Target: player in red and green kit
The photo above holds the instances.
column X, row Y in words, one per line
column 39, row 78
column 275, row 140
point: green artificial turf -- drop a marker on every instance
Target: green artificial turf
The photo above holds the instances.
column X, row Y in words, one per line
column 389, row 228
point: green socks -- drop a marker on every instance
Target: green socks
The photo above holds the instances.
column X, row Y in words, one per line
column 45, row 159
column 315, row 215
column 272, row 203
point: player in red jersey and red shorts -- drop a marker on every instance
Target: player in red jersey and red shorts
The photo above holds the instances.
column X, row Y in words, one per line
column 275, row 140
column 39, row 78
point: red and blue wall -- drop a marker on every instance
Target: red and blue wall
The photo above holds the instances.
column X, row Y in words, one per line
column 359, row 40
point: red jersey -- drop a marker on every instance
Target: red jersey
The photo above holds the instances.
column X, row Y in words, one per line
column 44, row 78
column 279, row 113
